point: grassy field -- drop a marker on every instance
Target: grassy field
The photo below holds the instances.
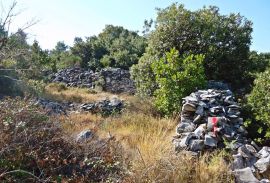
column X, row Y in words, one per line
column 146, row 138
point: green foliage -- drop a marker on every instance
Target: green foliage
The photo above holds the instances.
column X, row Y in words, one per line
column 114, row 47
column 34, row 87
column 258, row 62
column 259, row 100
column 223, row 39
column 143, row 76
column 177, row 77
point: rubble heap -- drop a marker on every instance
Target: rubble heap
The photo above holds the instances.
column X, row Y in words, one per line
column 113, row 80
column 105, row 107
column 52, row 107
column 211, row 119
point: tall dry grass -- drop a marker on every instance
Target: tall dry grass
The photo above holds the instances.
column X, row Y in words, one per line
column 60, row 92
column 146, row 138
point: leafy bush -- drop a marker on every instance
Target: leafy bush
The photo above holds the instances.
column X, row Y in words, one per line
column 143, row 76
column 177, row 77
column 259, row 100
column 223, row 39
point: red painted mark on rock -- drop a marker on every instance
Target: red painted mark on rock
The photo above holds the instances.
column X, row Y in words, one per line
column 214, row 122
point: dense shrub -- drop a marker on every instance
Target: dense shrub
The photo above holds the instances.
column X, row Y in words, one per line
column 177, row 77
column 35, row 149
column 143, row 76
column 259, row 100
column 223, row 39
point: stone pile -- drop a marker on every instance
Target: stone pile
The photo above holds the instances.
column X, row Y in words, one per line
column 113, row 80
column 52, row 107
column 211, row 119
column 105, row 107
column 75, row 77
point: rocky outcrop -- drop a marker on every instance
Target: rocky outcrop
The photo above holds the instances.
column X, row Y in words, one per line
column 211, row 119
column 114, row 80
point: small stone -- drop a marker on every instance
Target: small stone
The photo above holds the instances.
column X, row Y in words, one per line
column 84, row 135
column 263, row 164
column 185, row 140
column 238, row 162
column 252, row 150
column 197, row 119
column 264, row 181
column 245, row 175
column 115, row 102
column 185, row 127
column 189, row 107
column 196, row 145
column 199, row 110
column 244, row 152
column 200, row 131
column 264, row 152
column 210, row 141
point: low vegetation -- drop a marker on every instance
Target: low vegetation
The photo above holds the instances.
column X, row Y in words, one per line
column 146, row 141
column 35, row 148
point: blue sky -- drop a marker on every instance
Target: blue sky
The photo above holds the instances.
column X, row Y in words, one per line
column 62, row 20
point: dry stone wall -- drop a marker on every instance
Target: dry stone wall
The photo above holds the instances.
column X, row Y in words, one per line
column 114, row 80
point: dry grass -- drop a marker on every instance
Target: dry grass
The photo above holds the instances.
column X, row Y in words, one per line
column 59, row 92
column 146, row 138
column 35, row 148
column 148, row 141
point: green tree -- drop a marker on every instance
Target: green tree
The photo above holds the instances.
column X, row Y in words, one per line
column 223, row 39
column 113, row 47
column 259, row 100
column 177, row 77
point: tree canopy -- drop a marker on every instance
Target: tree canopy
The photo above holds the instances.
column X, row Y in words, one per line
column 113, row 47
column 223, row 39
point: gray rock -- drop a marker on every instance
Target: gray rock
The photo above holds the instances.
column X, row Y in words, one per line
column 263, row 164
column 84, row 135
column 238, row 162
column 185, row 140
column 245, row 152
column 210, row 141
column 197, row 119
column 252, row 150
column 115, row 102
column 200, row 131
column 264, row 152
column 113, row 80
column 199, row 110
column 245, row 175
column 189, row 107
column 264, row 181
column 196, row 145
column 185, row 127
